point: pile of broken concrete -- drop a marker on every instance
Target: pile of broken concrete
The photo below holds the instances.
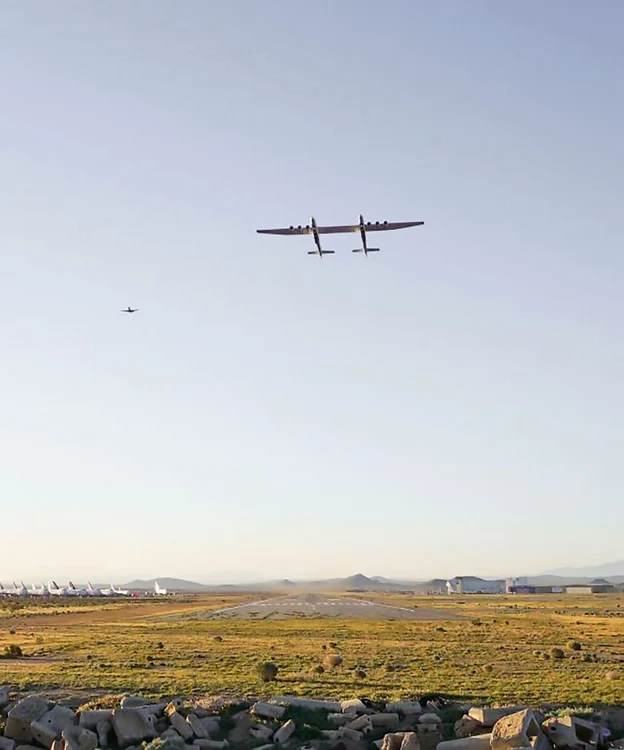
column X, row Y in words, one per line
column 33, row 723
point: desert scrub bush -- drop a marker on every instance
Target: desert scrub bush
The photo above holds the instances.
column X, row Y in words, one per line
column 103, row 702
column 332, row 660
column 320, row 669
column 557, row 653
column 360, row 674
column 267, row 671
column 574, row 646
column 12, row 652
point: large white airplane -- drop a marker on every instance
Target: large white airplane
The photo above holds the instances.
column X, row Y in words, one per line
column 73, row 591
column 15, row 591
column 362, row 227
column 34, row 591
column 55, row 590
column 158, row 591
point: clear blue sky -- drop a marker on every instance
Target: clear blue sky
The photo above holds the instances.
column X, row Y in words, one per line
column 452, row 405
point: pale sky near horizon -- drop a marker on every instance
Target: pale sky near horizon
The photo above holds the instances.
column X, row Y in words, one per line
column 450, row 405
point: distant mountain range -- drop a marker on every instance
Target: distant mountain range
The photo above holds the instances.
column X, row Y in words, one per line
column 611, row 572
column 355, row 583
column 606, row 570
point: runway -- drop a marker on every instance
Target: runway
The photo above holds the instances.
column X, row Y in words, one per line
column 321, row 606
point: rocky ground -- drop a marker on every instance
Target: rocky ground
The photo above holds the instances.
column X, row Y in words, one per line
column 33, row 722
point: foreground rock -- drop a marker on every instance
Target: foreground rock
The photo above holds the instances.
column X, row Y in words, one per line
column 478, row 742
column 21, row 716
column 521, row 729
column 132, row 726
column 487, row 717
column 297, row 723
column 570, row 732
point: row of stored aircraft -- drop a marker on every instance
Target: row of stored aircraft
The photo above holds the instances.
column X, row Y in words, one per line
column 363, row 227
column 53, row 589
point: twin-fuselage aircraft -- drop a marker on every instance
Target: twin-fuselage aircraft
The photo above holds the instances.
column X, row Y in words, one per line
column 362, row 227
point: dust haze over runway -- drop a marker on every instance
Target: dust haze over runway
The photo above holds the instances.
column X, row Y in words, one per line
column 319, row 605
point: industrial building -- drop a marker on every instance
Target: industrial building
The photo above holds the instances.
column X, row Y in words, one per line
column 474, row 585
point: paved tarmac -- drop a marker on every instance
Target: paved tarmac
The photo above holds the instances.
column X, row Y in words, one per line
column 319, row 605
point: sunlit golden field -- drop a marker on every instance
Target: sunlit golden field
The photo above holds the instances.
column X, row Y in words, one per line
column 499, row 651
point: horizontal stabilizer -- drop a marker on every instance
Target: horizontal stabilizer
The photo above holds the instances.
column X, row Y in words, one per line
column 368, row 250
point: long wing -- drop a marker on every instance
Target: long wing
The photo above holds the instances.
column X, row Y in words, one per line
column 343, row 228
column 385, row 226
column 308, row 230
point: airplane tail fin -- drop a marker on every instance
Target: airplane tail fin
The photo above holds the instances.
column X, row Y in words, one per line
column 368, row 250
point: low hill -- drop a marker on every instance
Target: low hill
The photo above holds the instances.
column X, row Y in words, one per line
column 605, row 570
column 569, row 580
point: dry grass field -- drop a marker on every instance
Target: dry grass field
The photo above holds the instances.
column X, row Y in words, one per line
column 482, row 649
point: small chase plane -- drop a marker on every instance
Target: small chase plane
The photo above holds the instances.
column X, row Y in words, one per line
column 362, row 227
column 130, row 309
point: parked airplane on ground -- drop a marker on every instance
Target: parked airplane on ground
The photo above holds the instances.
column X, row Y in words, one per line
column 55, row 590
column 158, row 591
column 73, row 591
column 362, row 227
column 119, row 592
column 15, row 591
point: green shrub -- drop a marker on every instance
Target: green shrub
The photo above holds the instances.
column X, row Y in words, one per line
column 557, row 653
column 574, row 646
column 13, row 652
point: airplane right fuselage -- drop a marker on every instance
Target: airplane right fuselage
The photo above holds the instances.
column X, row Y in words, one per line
column 363, row 234
column 317, row 238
